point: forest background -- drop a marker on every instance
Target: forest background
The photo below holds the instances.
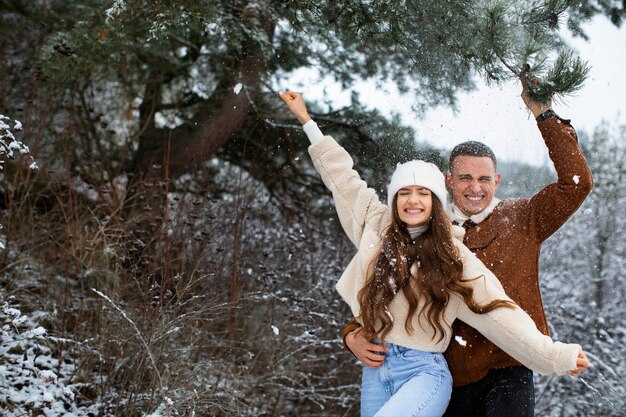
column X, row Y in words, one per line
column 175, row 253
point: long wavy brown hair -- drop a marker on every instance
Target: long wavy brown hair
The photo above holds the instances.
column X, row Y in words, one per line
column 439, row 274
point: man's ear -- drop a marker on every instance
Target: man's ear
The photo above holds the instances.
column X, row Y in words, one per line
column 497, row 179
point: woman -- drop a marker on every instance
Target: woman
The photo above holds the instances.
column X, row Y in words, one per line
column 412, row 277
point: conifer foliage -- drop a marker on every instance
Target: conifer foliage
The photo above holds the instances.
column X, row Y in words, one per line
column 151, row 81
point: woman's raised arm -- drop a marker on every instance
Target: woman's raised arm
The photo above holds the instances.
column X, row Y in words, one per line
column 357, row 205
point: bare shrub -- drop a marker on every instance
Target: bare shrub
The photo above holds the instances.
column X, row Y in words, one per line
column 227, row 309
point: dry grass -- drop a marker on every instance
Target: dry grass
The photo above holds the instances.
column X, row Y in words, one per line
column 209, row 301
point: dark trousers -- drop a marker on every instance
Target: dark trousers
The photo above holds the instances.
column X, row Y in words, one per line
column 507, row 392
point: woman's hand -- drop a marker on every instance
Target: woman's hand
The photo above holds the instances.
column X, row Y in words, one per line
column 370, row 354
column 296, row 105
column 582, row 363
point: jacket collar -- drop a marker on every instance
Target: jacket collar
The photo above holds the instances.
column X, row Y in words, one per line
column 457, row 216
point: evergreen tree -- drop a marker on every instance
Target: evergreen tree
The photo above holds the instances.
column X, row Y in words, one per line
column 147, row 84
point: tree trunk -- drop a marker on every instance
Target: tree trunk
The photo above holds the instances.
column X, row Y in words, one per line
column 216, row 122
column 165, row 154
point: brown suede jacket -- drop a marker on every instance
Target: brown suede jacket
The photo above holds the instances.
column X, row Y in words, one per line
column 508, row 242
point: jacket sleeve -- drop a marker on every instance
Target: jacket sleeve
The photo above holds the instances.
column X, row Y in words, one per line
column 553, row 205
column 356, row 204
column 511, row 329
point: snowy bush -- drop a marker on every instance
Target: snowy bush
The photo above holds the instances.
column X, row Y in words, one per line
column 33, row 381
column 228, row 310
column 9, row 145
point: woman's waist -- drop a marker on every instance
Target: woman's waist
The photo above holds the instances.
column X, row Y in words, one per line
column 417, row 340
column 395, row 350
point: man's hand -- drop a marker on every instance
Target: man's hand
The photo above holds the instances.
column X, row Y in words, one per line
column 535, row 107
column 296, row 105
column 582, row 363
column 370, row 354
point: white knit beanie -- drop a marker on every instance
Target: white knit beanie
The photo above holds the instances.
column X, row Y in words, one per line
column 423, row 174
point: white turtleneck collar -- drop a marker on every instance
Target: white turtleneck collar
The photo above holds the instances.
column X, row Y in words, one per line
column 417, row 230
column 455, row 214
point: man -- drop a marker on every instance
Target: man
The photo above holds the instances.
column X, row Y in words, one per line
column 506, row 236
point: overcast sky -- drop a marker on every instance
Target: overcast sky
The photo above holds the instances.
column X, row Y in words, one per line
column 510, row 132
column 497, row 115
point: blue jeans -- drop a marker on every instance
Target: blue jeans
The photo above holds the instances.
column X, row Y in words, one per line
column 409, row 383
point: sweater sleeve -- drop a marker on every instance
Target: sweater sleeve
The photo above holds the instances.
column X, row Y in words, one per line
column 550, row 208
column 312, row 131
column 512, row 329
column 357, row 205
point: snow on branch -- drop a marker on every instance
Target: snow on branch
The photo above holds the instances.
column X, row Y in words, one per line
column 9, row 145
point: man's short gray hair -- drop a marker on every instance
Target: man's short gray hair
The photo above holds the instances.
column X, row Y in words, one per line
column 471, row 148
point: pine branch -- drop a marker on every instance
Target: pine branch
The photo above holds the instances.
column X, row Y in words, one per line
column 524, row 46
column 546, row 15
column 566, row 76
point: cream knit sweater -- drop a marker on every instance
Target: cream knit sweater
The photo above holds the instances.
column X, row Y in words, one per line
column 364, row 218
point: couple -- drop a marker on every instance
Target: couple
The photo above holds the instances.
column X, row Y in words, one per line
column 412, row 277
